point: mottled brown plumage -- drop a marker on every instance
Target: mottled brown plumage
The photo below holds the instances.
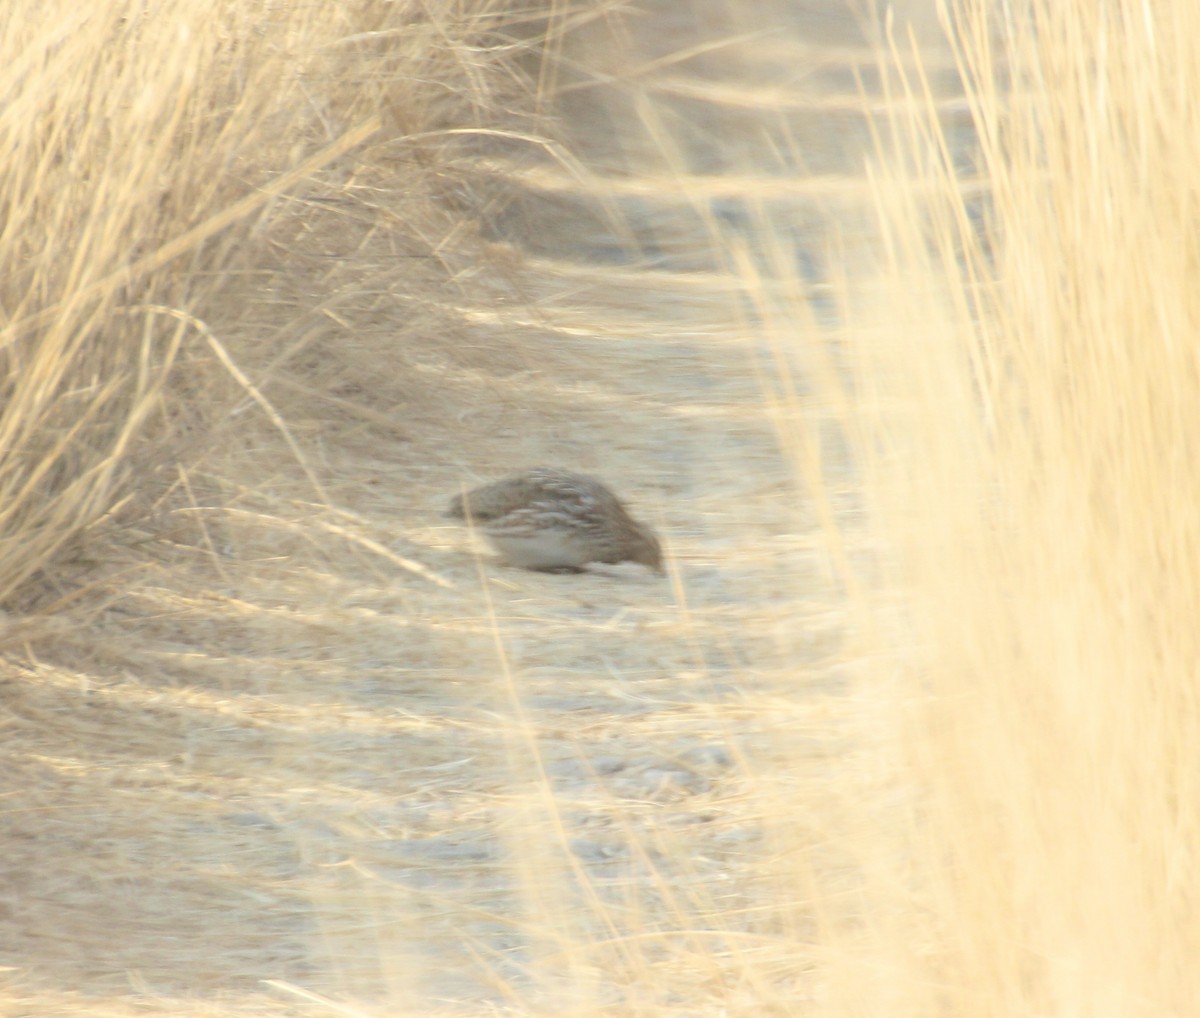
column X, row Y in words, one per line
column 552, row 519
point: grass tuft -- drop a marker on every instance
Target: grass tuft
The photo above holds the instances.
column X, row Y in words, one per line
column 1034, row 387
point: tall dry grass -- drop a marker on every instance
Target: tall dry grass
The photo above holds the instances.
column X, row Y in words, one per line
column 216, row 218
column 148, row 155
column 1032, row 369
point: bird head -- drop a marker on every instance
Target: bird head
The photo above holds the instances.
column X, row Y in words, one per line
column 644, row 547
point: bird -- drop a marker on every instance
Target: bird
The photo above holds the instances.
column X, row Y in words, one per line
column 553, row 520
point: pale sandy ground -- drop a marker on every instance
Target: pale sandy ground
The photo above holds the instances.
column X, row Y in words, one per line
column 325, row 740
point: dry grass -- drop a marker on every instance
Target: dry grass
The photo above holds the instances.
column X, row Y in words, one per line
column 158, row 169
column 221, row 222
column 1033, row 386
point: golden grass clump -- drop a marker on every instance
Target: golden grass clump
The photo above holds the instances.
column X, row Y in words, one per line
column 1035, row 384
column 146, row 156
